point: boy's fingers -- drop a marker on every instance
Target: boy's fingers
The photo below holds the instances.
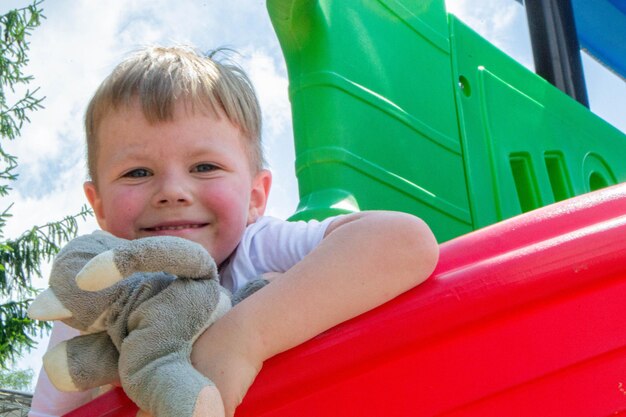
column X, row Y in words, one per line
column 209, row 403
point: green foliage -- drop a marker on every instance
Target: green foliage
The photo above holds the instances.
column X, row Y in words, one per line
column 19, row 380
column 21, row 258
column 15, row 27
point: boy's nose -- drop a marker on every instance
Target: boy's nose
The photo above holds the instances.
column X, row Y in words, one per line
column 172, row 192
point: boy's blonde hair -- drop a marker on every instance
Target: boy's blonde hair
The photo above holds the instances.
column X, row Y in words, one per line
column 162, row 76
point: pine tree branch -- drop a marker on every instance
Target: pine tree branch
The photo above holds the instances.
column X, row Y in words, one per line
column 12, row 118
column 21, row 258
column 17, row 331
column 15, row 28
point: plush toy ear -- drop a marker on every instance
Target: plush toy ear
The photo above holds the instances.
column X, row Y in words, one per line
column 48, row 307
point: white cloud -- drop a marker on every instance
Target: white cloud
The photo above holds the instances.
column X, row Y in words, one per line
column 268, row 77
column 607, row 92
column 267, row 73
column 501, row 22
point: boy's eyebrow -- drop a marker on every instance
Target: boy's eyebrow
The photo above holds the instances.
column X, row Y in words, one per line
column 137, row 153
column 191, row 153
column 131, row 152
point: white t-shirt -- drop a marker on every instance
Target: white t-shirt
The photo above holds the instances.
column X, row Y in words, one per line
column 268, row 245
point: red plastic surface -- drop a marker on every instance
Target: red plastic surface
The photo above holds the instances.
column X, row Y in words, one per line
column 114, row 403
column 523, row 318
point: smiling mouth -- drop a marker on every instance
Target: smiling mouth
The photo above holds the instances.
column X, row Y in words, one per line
column 176, row 227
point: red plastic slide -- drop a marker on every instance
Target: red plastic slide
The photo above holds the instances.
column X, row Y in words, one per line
column 523, row 318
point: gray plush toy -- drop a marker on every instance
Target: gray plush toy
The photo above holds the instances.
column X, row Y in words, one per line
column 140, row 305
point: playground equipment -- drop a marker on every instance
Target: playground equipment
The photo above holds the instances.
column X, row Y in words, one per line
column 399, row 105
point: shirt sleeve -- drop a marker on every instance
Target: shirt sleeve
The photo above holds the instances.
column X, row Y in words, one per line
column 47, row 400
column 272, row 245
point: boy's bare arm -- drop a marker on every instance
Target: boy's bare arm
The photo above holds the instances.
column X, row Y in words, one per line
column 364, row 260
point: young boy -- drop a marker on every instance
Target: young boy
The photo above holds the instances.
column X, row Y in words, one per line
column 173, row 144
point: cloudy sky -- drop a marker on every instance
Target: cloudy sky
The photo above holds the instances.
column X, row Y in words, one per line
column 81, row 40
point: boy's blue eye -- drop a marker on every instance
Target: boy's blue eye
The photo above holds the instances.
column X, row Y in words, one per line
column 137, row 173
column 204, row 168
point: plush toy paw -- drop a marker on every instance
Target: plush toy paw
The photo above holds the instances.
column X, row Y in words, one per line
column 99, row 273
column 55, row 362
column 209, row 403
column 48, row 307
column 173, row 255
column 249, row 289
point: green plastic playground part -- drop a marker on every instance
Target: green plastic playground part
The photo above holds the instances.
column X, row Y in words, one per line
column 399, row 106
column 526, row 144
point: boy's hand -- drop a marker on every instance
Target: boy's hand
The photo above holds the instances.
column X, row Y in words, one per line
column 221, row 355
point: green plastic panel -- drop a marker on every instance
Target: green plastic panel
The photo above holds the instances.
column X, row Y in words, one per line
column 374, row 109
column 397, row 105
column 526, row 144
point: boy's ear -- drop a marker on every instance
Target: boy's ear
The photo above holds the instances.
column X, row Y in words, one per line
column 91, row 192
column 259, row 193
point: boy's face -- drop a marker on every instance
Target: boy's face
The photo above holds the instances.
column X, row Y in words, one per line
column 190, row 177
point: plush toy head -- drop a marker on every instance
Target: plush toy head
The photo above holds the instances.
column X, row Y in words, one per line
column 84, row 282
